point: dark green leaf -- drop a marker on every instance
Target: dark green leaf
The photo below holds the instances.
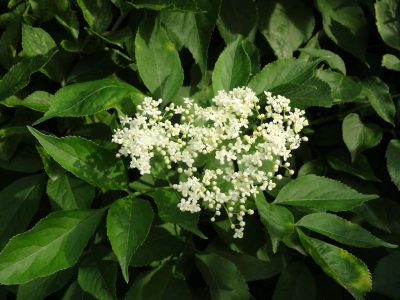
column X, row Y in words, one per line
column 286, row 25
column 19, row 202
column 40, row 288
column 322, row 193
column 341, row 230
column 19, row 75
column 159, row 284
column 387, row 276
column 158, row 61
column 82, row 99
column 359, row 136
column 98, row 14
column 375, row 214
column 253, row 268
column 232, row 68
column 393, row 161
column 9, row 40
column 128, row 223
column 75, row 292
column 193, row 30
column 237, row 18
column 53, row 244
column 344, row 22
column 85, row 159
column 98, row 277
column 222, row 277
column 387, row 20
column 380, row 99
column 252, row 241
column 159, row 244
column 343, row 267
column 24, row 160
column 296, row 282
column 360, row 167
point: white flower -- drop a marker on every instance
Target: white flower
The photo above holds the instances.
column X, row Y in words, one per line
column 249, row 143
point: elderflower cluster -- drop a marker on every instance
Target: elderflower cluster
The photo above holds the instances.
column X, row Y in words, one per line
column 225, row 153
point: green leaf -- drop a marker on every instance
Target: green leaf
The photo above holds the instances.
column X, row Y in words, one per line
column 24, row 160
column 36, row 41
column 379, row 97
column 19, row 203
column 69, row 192
column 387, row 276
column 391, row 62
column 53, row 244
column 193, row 30
column 332, row 59
column 9, row 41
column 296, row 282
column 343, row 88
column 322, row 193
column 85, row 159
column 232, row 68
column 19, row 75
column 277, row 219
column 387, row 21
column 346, row 269
column 222, row 277
column 375, row 214
column 98, row 277
column 159, row 284
column 159, row 244
column 40, row 288
column 344, row 22
column 38, row 100
column 340, row 161
column 168, row 211
column 251, row 267
column 98, row 14
column 341, row 230
column 393, row 161
column 253, row 239
column 316, row 166
column 83, row 99
column 237, row 18
column 158, row 61
column 128, row 223
column 174, row 5
column 359, row 136
column 286, row 25
column 295, row 79
column 74, row 291
column 253, row 54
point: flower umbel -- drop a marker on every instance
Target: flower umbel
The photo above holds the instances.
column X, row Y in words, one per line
column 225, row 153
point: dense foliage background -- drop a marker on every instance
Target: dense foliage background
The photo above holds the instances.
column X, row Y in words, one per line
column 76, row 223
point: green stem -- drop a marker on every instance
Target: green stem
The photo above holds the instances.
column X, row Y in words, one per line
column 396, row 95
column 119, row 21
